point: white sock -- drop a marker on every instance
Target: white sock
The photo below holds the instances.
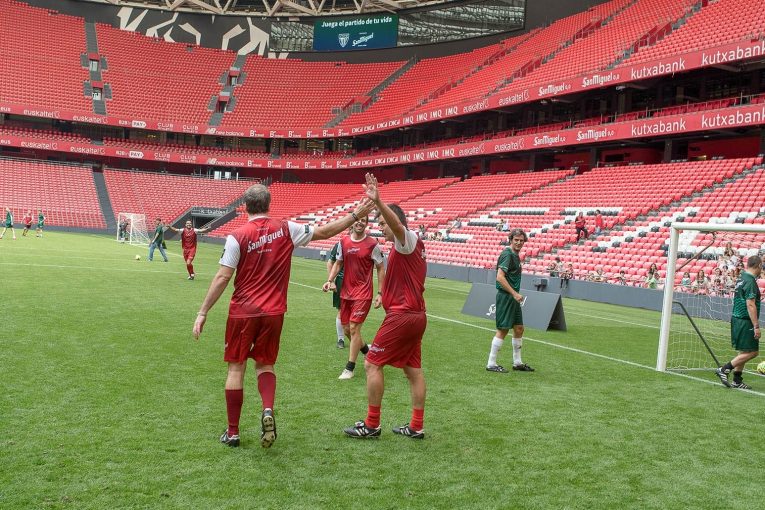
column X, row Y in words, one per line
column 517, row 342
column 339, row 328
column 496, row 344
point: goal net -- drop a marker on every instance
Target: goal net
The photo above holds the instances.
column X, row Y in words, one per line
column 131, row 228
column 704, row 263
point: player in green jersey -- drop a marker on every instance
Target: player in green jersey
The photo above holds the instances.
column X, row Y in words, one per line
column 508, row 314
column 744, row 324
column 40, row 223
column 8, row 223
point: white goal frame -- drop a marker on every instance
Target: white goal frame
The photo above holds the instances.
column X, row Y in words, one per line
column 669, row 286
column 135, row 235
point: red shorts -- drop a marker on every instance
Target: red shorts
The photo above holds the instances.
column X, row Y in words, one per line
column 399, row 340
column 354, row 310
column 189, row 253
column 253, row 337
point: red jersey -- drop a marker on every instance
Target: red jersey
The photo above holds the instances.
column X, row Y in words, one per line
column 599, row 221
column 579, row 222
column 188, row 238
column 404, row 284
column 261, row 253
column 359, row 258
column 27, row 219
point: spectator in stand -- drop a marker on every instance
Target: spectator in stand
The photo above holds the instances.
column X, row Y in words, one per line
column 456, row 224
column 566, row 275
column 506, row 225
column 731, row 277
column 622, row 278
column 581, row 227
column 439, row 236
column 685, row 282
column 554, row 267
column 598, row 222
column 729, row 256
column 701, row 285
column 422, row 233
column 652, row 279
column 718, row 287
column 598, row 275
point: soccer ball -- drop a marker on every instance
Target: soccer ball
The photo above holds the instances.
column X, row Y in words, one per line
column 761, row 368
column 138, row 257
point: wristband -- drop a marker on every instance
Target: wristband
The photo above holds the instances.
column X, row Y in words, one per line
column 356, row 218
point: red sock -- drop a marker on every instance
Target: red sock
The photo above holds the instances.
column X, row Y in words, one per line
column 267, row 388
column 190, row 269
column 234, row 399
column 373, row 417
column 418, row 416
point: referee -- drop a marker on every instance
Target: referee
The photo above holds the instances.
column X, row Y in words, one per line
column 744, row 325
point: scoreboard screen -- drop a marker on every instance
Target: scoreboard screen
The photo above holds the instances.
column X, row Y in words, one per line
column 357, row 33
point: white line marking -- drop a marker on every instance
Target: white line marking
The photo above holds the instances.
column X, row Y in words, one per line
column 91, row 268
column 571, row 349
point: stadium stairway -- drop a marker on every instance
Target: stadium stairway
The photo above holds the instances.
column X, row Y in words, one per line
column 373, row 94
column 91, row 43
column 104, row 201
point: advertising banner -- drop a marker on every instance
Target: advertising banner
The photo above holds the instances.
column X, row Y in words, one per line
column 358, row 33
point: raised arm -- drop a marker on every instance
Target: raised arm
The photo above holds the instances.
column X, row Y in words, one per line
column 333, row 228
column 373, row 193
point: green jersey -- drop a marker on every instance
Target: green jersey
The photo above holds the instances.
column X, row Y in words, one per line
column 510, row 263
column 8, row 217
column 160, row 233
column 746, row 288
column 40, row 220
column 333, row 258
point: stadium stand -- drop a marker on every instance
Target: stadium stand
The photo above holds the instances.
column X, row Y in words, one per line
column 66, row 193
column 36, row 78
column 716, row 23
column 154, row 79
column 168, row 196
column 296, row 94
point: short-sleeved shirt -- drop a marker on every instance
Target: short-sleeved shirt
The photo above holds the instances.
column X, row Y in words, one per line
column 160, row 233
column 510, row 263
column 580, row 222
column 40, row 220
column 333, row 257
column 27, row 220
column 359, row 258
column 9, row 218
column 599, row 221
column 189, row 238
column 746, row 288
column 261, row 253
column 404, row 283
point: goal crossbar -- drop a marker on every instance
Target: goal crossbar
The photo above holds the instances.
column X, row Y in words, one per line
column 669, row 287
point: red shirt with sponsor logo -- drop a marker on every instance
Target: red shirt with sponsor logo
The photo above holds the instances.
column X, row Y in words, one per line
column 27, row 219
column 404, row 284
column 189, row 238
column 261, row 253
column 359, row 258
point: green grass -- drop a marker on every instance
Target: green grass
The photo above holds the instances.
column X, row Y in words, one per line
column 108, row 402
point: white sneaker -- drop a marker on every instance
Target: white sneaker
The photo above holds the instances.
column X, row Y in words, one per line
column 347, row 374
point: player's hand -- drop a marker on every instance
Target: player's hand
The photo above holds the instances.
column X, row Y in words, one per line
column 327, row 286
column 757, row 333
column 371, row 188
column 377, row 301
column 519, row 298
column 199, row 324
column 364, row 208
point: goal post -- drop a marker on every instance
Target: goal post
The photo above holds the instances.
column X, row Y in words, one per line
column 131, row 229
column 695, row 316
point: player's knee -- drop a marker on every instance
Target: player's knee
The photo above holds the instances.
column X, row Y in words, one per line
column 518, row 330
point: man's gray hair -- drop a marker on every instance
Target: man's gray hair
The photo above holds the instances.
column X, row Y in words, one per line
column 257, row 199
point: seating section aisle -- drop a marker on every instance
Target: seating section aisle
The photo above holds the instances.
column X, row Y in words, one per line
column 65, row 193
column 36, row 73
column 167, row 196
column 155, row 79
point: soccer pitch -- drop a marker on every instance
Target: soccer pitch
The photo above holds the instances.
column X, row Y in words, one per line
column 108, row 402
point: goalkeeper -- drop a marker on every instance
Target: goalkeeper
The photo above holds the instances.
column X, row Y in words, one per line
column 744, row 324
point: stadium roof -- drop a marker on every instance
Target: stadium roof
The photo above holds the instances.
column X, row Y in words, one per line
column 279, row 7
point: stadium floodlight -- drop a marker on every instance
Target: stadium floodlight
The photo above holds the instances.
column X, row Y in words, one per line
column 695, row 316
column 131, row 229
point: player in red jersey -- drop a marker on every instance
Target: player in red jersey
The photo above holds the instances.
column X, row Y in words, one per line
column 399, row 339
column 358, row 254
column 27, row 221
column 189, row 244
column 260, row 253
